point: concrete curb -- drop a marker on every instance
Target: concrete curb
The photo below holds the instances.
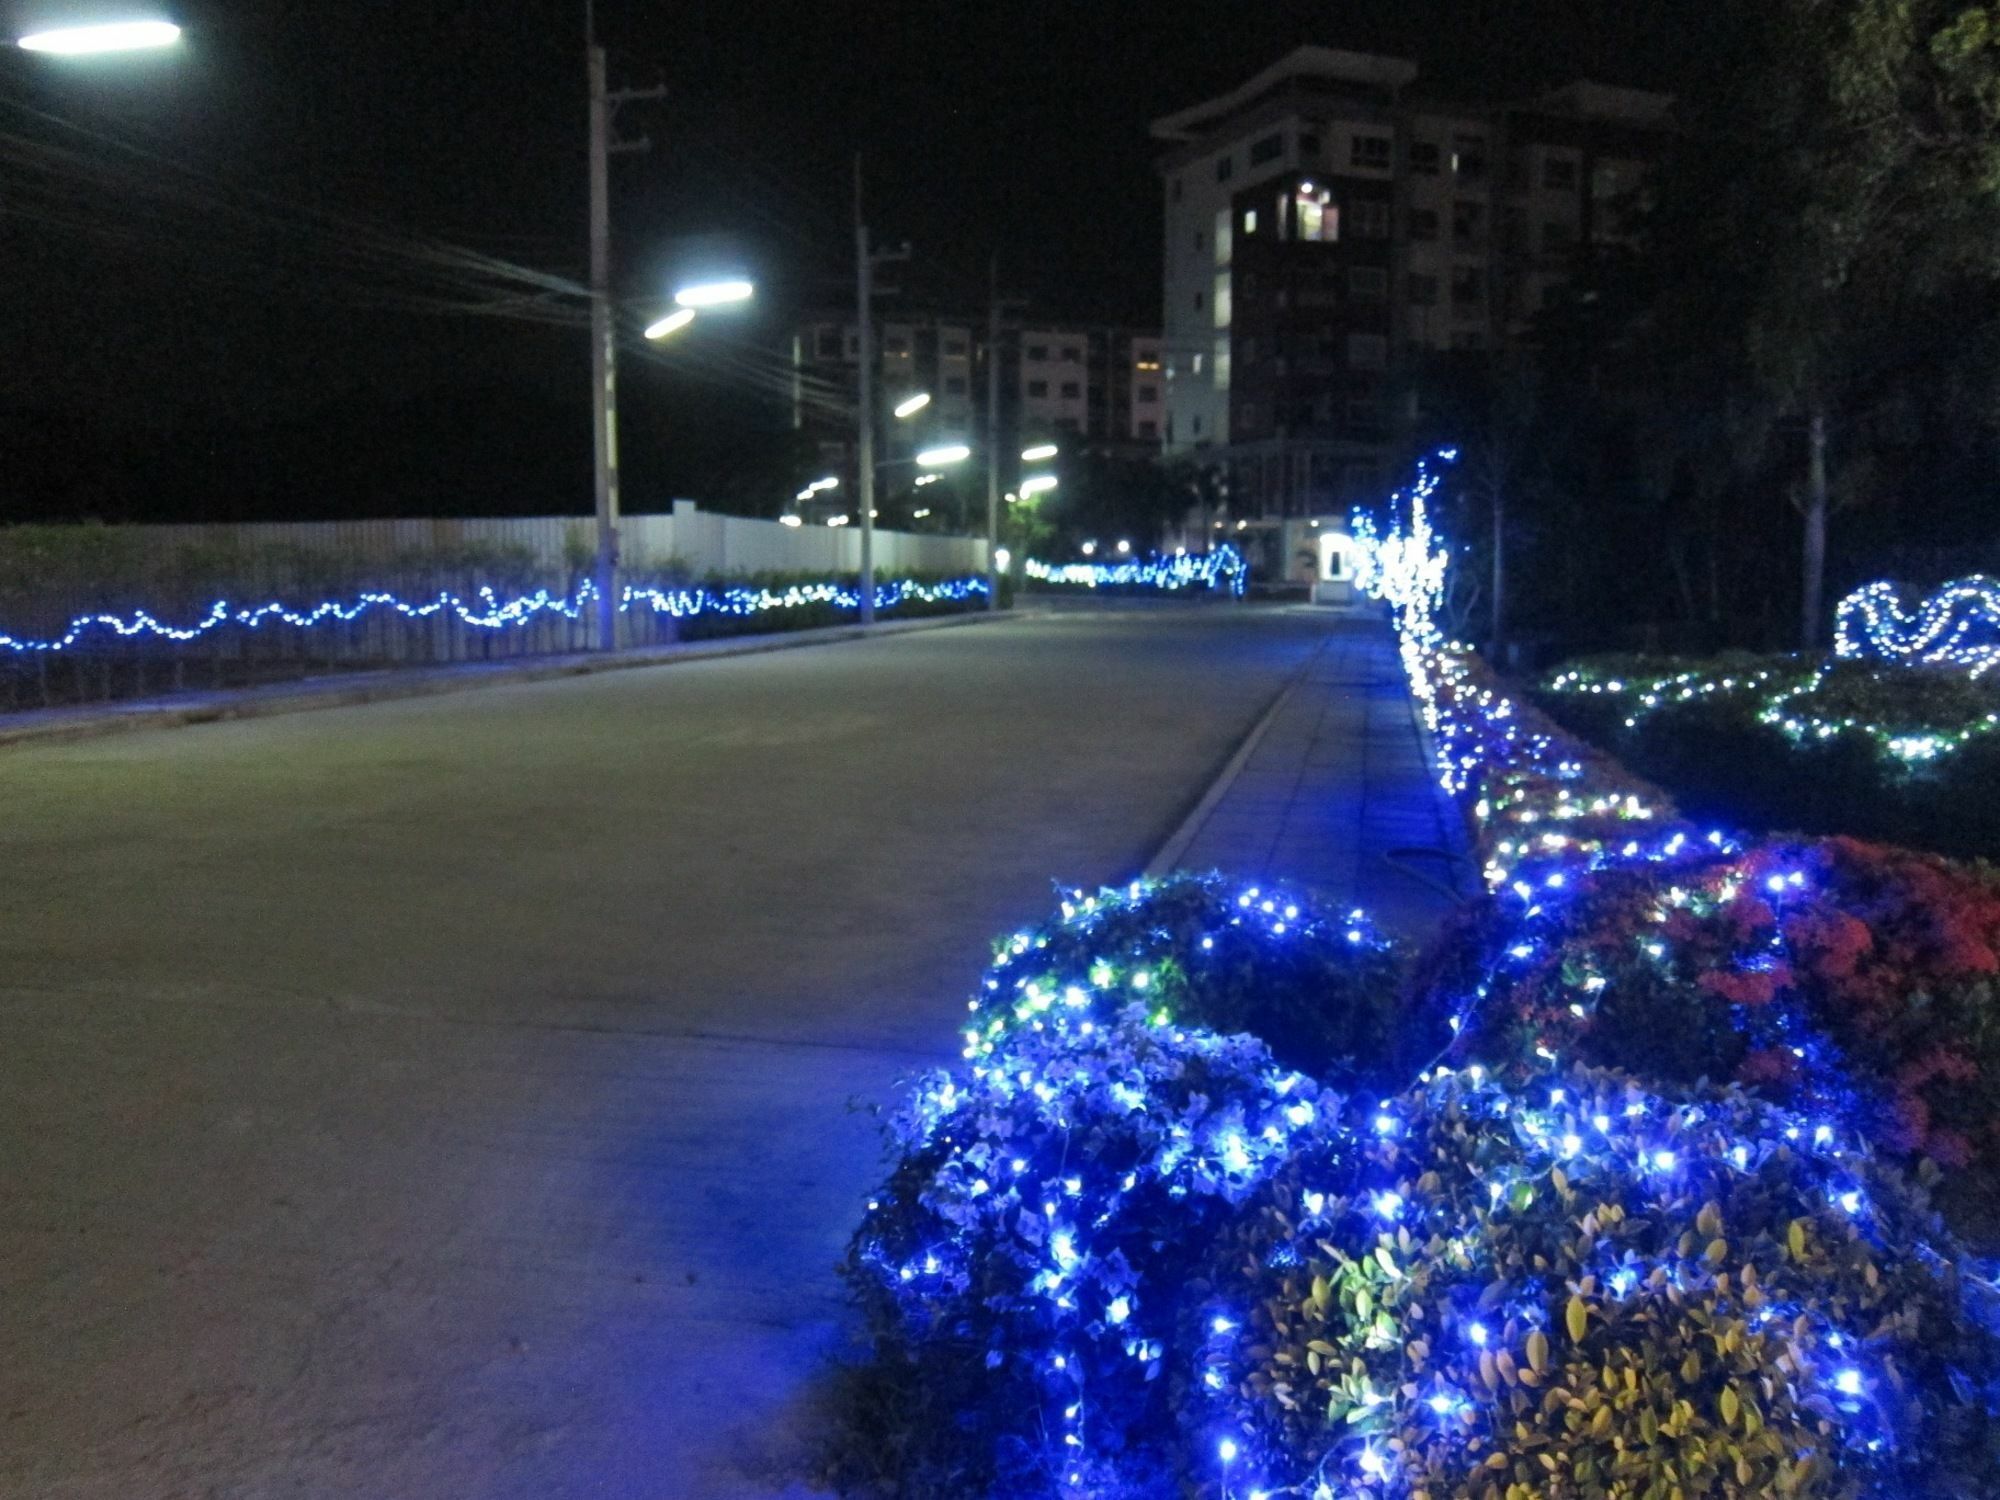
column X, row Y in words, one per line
column 1169, row 856
column 351, row 690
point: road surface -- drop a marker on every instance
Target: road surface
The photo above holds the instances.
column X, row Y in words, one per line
column 451, row 1097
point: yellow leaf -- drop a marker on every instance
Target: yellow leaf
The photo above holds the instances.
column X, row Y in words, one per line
column 1577, row 1316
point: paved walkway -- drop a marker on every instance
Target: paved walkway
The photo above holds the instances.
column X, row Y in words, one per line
column 1338, row 796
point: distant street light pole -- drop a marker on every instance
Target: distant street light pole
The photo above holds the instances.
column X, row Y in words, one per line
column 865, row 261
column 603, row 329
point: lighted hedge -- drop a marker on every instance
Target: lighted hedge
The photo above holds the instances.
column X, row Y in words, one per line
column 1579, row 1289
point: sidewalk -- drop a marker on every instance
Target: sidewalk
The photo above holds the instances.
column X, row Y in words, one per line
column 1337, row 794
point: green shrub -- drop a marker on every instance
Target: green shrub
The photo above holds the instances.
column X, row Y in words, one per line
column 1319, row 989
column 1020, row 1271
column 1575, row 1289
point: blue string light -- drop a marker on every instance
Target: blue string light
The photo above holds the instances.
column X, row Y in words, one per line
column 1222, row 567
column 486, row 611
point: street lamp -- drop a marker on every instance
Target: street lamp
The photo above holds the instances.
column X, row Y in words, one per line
column 1037, row 484
column 714, row 294
column 1039, row 452
column 911, row 405
column 672, row 323
column 91, row 41
column 937, row 458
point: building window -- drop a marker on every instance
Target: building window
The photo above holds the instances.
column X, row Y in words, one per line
column 1072, row 353
column 1363, row 413
column 1038, row 390
column 1558, row 235
column 1426, row 157
column 1367, row 351
column 1222, row 364
column 1372, row 152
column 1198, row 243
column 1468, row 339
column 954, row 385
column 1468, row 223
column 1148, row 428
column 954, row 348
column 1194, row 365
column 1197, row 301
column 1559, row 174
column 1267, row 149
column 1174, row 193
column 1072, row 391
column 1309, row 145
column 1371, row 219
column 1038, row 353
column 1222, row 236
column 1368, row 283
column 1316, row 214
column 1468, row 286
column 1146, row 393
column 1195, row 425
column 1246, row 416
column 1423, row 224
column 1249, row 221
column 1468, row 157
column 1222, row 301
column 1360, row 481
column 829, row 343
column 896, row 345
column 1225, row 168
column 1423, row 290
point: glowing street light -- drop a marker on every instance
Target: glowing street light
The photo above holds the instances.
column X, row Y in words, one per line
column 714, row 293
column 911, row 405
column 1039, row 452
column 1037, row 484
column 937, row 458
column 115, row 36
column 673, row 322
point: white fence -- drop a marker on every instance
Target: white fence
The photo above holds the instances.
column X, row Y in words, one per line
column 700, row 543
column 51, row 576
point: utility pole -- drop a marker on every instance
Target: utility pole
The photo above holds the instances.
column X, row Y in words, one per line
column 865, row 261
column 603, row 327
column 996, row 306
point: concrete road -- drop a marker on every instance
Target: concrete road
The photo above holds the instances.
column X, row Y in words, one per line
column 451, row 1097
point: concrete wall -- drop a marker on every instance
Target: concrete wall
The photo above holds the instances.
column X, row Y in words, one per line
column 701, row 542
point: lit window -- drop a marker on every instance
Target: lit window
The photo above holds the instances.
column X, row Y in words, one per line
column 1222, row 300
column 1316, row 214
column 1249, row 221
column 1222, row 364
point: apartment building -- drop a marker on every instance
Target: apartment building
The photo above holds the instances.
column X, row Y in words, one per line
column 1099, row 383
column 1328, row 227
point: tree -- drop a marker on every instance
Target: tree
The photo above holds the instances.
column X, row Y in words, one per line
column 1840, row 178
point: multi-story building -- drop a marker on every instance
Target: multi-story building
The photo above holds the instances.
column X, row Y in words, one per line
column 1328, row 226
column 1102, row 384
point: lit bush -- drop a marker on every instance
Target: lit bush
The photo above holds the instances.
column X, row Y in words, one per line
column 1573, row 1288
column 1020, row 1270
column 1831, row 974
column 1320, row 990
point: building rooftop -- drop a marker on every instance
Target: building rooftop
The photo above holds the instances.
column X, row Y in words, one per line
column 1327, row 64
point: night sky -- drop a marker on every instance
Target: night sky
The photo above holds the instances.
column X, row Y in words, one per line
column 1016, row 127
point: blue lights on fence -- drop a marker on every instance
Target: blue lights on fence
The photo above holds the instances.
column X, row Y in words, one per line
column 1223, row 567
column 487, row 611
